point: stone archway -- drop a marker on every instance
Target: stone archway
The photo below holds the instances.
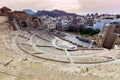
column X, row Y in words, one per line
column 23, row 24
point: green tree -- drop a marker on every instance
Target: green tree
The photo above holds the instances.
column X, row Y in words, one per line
column 87, row 31
column 93, row 32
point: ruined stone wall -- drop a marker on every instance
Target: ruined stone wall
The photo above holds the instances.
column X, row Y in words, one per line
column 5, row 28
column 21, row 17
column 117, row 29
column 3, row 19
column 110, row 37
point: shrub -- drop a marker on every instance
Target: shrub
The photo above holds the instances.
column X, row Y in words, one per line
column 93, row 32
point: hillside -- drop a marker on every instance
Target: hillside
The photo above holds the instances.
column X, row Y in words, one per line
column 52, row 13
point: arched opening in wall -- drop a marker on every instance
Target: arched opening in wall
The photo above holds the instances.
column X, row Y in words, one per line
column 24, row 24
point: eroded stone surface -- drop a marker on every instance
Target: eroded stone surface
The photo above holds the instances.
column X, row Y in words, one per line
column 17, row 65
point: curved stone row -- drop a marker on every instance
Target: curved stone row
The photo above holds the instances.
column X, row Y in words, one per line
column 59, row 58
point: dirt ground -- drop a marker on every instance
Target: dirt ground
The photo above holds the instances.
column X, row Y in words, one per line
column 20, row 69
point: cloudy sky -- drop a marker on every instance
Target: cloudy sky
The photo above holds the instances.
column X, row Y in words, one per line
column 77, row 6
